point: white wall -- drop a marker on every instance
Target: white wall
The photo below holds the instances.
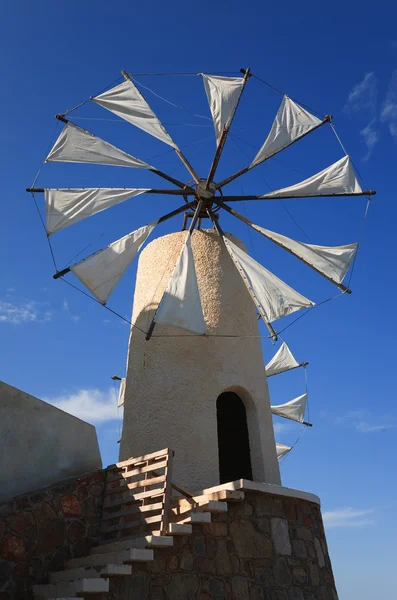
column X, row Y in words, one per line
column 173, row 381
column 40, row 444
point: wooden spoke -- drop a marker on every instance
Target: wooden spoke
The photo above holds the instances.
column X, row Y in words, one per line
column 264, row 197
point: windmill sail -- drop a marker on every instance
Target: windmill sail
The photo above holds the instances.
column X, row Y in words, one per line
column 331, row 261
column 180, row 305
column 291, row 123
column 102, row 271
column 126, row 101
column 273, row 297
column 336, row 180
column 120, row 399
column 223, row 94
column 67, row 206
column 80, row 146
column 293, row 410
column 282, row 450
column 282, row 361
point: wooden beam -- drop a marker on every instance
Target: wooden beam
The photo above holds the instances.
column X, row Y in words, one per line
column 222, row 141
column 326, row 119
column 251, row 224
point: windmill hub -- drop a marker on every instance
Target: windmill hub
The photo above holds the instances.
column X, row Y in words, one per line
column 203, row 193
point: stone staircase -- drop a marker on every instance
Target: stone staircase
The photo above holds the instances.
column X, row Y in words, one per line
column 90, row 576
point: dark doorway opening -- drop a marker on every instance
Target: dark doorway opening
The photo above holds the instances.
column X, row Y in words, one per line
column 233, row 441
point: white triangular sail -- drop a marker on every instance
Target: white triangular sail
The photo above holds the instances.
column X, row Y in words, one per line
column 291, row 122
column 80, row 146
column 223, row 94
column 282, row 361
column 102, row 271
column 293, row 410
column 67, row 206
column 180, row 305
column 273, row 297
column 331, row 261
column 120, row 399
column 282, row 450
column 338, row 179
column 126, row 101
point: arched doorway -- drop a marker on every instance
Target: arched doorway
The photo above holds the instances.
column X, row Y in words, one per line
column 233, row 440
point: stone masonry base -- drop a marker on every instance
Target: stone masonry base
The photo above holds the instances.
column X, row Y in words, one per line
column 268, row 547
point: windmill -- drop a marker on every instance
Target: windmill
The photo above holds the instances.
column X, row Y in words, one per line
column 202, row 198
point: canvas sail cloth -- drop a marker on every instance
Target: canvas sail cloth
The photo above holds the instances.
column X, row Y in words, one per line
column 120, row 399
column 273, row 297
column 80, row 146
column 282, row 450
column 331, row 261
column 223, row 94
column 338, row 179
column 293, row 410
column 180, row 305
column 102, row 271
column 281, row 362
column 291, row 123
column 127, row 102
column 67, row 206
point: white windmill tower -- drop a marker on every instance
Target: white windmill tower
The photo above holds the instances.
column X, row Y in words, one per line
column 199, row 385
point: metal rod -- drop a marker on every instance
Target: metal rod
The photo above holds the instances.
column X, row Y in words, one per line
column 225, row 131
column 307, row 424
column 192, row 224
column 326, row 119
column 251, row 292
column 169, row 215
column 264, row 197
column 116, row 378
column 251, row 224
column 179, row 152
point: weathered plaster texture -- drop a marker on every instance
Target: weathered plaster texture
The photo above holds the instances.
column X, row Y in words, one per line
column 41, row 444
column 265, row 548
column 174, row 379
column 40, row 532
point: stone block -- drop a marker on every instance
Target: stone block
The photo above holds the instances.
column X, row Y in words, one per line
column 51, row 536
column 173, row 563
column 280, row 535
column 300, row 575
column 299, row 549
column 303, row 533
column 240, row 588
column 76, row 531
column 282, row 574
column 248, row 542
column 217, row 589
column 71, row 506
column 319, row 552
column 199, row 545
column 206, row 565
column 187, row 561
column 223, row 562
column 12, row 548
column 295, row 593
column 215, row 529
column 210, row 547
column 314, row 574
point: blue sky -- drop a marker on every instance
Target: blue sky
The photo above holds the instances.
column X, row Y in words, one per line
column 60, row 346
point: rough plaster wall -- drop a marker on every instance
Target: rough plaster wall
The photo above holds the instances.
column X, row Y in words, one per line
column 41, row 444
column 173, row 380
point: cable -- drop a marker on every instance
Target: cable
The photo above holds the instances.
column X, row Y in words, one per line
column 104, row 306
column 302, row 431
column 97, row 94
column 48, row 239
column 284, row 94
column 181, row 74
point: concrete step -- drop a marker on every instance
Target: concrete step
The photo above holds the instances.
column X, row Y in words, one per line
column 70, row 589
column 148, row 541
column 205, row 505
column 112, row 558
column 196, row 518
column 90, row 573
column 179, row 529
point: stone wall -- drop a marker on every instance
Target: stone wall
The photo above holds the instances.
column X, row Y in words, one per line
column 266, row 548
column 41, row 444
column 39, row 532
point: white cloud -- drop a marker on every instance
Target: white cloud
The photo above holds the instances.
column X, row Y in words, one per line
column 279, row 427
column 364, row 422
column 92, row 405
column 65, row 305
column 363, row 95
column 371, row 137
column 388, row 113
column 23, row 311
column 347, row 517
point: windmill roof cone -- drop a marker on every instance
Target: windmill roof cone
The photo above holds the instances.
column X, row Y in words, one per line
column 174, row 381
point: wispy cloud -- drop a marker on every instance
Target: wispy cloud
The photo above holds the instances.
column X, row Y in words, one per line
column 388, row 113
column 364, row 422
column 92, row 405
column 65, row 307
column 348, row 517
column 371, row 137
column 23, row 311
column 362, row 97
column 279, row 427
